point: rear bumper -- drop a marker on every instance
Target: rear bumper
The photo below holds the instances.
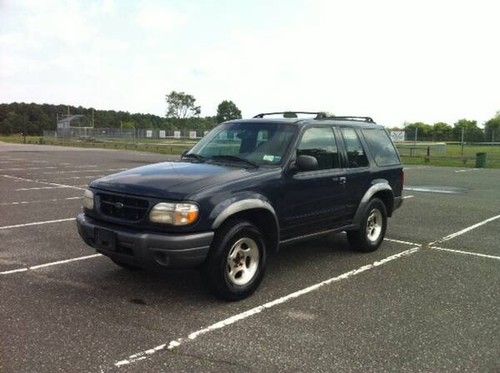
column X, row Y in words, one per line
column 145, row 249
column 398, row 201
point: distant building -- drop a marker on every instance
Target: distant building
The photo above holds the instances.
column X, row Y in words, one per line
column 67, row 125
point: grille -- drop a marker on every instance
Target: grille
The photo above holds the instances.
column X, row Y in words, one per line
column 121, row 207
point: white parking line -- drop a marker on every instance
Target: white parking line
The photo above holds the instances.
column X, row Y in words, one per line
column 41, row 182
column 231, row 320
column 407, row 197
column 78, row 177
column 465, row 230
column 76, row 171
column 429, row 190
column 38, row 201
column 402, row 242
column 40, row 188
column 35, row 223
column 466, row 252
column 24, row 269
column 468, row 170
column 26, row 168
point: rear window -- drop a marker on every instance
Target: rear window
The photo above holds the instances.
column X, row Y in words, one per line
column 381, row 147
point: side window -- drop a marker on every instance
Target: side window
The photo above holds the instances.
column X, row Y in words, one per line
column 356, row 155
column 381, row 147
column 319, row 142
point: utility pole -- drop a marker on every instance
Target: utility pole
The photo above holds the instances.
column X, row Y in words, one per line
column 463, row 130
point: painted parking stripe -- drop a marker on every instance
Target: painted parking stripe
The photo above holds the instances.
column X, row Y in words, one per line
column 26, row 168
column 78, row 177
column 465, row 230
column 467, row 170
column 41, row 188
column 38, row 201
column 466, row 252
column 36, row 223
column 402, row 242
column 78, row 171
column 408, row 197
column 25, row 269
column 41, row 182
column 241, row 316
column 430, row 190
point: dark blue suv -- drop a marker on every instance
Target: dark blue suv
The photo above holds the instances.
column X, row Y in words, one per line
column 245, row 189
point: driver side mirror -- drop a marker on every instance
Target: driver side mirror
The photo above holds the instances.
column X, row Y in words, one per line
column 306, row 163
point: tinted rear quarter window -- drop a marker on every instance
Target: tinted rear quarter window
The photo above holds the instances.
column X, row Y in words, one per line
column 381, row 147
column 356, row 156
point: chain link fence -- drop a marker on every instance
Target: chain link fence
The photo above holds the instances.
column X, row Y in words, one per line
column 90, row 134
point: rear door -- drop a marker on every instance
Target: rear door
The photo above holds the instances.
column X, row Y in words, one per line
column 314, row 201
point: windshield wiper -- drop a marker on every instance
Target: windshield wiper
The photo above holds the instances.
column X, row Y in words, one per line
column 234, row 158
column 194, row 156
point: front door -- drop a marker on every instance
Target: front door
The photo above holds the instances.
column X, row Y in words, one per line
column 314, row 201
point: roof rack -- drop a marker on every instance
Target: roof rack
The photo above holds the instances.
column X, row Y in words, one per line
column 293, row 114
column 349, row 117
column 319, row 115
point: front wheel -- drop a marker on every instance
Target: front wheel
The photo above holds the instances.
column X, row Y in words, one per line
column 237, row 260
column 371, row 233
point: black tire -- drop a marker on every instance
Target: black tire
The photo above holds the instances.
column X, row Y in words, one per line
column 361, row 240
column 129, row 267
column 229, row 239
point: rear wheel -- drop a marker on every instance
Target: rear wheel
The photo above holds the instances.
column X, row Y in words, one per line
column 371, row 233
column 237, row 260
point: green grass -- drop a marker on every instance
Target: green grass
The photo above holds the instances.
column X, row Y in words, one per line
column 165, row 147
column 452, row 158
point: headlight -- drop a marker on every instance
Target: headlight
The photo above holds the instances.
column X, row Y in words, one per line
column 88, row 200
column 174, row 213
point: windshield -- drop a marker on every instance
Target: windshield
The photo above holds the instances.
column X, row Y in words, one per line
column 259, row 143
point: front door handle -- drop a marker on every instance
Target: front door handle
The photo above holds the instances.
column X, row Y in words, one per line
column 342, row 180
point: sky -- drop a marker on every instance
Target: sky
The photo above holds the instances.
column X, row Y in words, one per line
column 396, row 61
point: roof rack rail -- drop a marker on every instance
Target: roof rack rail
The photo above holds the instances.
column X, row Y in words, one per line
column 293, row 114
column 350, row 117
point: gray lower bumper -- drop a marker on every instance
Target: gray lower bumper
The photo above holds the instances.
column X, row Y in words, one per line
column 398, row 201
column 145, row 249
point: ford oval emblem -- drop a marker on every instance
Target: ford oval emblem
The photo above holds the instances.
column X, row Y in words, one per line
column 119, row 205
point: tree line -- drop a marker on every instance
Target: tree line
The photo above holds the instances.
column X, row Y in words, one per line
column 441, row 131
column 182, row 114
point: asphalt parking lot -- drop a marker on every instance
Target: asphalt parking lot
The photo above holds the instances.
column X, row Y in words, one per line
column 427, row 300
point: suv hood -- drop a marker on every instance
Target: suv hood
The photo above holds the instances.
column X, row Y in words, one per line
column 174, row 180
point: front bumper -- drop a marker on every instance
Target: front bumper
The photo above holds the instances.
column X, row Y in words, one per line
column 144, row 249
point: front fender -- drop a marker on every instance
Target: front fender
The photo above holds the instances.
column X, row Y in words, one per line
column 238, row 204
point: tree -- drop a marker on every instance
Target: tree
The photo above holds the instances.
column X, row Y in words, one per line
column 492, row 128
column 227, row 110
column 181, row 105
column 472, row 133
column 442, row 131
column 422, row 131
